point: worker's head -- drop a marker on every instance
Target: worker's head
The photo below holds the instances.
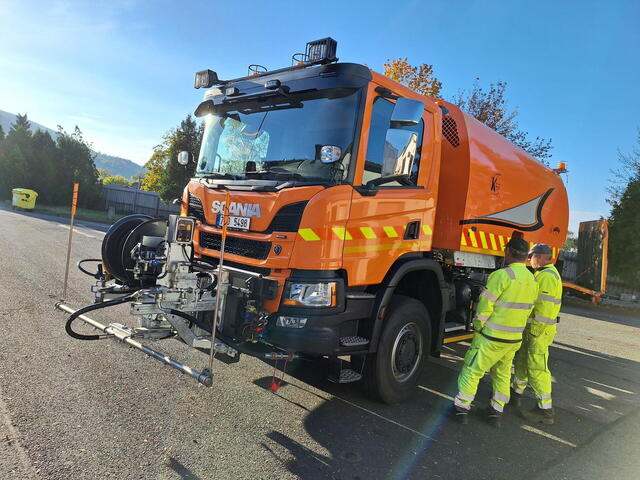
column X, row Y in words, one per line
column 540, row 255
column 515, row 251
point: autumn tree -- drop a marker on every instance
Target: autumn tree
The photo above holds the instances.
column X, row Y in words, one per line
column 491, row 108
column 419, row 78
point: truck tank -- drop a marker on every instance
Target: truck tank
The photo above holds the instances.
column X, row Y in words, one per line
column 490, row 188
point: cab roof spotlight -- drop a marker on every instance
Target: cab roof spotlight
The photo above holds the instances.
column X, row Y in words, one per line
column 206, row 79
column 321, row 51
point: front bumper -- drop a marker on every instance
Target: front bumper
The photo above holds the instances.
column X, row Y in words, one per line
column 322, row 333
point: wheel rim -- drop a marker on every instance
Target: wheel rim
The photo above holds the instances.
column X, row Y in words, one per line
column 407, row 352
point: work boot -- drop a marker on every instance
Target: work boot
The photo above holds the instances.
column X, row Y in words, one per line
column 516, row 399
column 460, row 415
column 494, row 417
column 539, row 415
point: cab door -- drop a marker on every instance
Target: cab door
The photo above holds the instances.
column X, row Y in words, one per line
column 391, row 219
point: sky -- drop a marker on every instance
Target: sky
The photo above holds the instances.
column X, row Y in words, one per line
column 122, row 70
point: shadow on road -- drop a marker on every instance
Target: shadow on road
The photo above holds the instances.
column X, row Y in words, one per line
column 184, row 472
column 363, row 439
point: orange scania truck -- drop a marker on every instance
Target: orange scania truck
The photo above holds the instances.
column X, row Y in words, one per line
column 334, row 213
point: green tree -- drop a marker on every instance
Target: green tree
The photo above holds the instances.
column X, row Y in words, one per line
column 571, row 242
column 2, row 134
column 75, row 163
column 164, row 174
column 115, row 180
column 21, row 121
column 624, row 221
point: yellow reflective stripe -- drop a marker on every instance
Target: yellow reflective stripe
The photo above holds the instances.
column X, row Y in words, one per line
column 472, row 236
column 427, row 230
column 390, row 231
column 308, row 235
column 463, row 240
column 342, row 233
column 492, row 237
column 501, row 238
column 483, row 239
column 385, row 246
column 368, row 232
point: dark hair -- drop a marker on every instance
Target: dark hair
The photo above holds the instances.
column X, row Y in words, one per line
column 517, row 254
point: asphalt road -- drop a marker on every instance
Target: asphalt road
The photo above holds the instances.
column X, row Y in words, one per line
column 76, row 410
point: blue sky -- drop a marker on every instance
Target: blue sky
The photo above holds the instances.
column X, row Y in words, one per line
column 123, row 70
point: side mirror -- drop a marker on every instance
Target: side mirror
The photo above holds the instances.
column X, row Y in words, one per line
column 400, row 148
column 185, row 157
column 406, row 113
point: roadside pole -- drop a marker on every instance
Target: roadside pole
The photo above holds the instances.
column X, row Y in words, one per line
column 74, row 203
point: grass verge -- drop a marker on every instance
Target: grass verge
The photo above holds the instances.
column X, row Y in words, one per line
column 98, row 216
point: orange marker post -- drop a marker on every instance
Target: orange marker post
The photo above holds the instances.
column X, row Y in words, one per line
column 74, row 204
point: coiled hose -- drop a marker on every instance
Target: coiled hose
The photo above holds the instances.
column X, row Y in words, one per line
column 89, row 308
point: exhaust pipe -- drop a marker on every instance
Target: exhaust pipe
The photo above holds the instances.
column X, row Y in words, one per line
column 124, row 334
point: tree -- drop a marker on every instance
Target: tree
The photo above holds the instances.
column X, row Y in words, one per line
column 21, row 121
column 164, row 174
column 624, row 221
column 2, row 135
column 491, row 108
column 627, row 172
column 419, row 78
column 571, row 242
column 115, row 180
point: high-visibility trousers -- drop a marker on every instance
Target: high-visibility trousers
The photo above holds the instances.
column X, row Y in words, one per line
column 531, row 365
column 484, row 356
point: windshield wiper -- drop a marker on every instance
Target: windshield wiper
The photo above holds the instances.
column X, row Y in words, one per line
column 230, row 176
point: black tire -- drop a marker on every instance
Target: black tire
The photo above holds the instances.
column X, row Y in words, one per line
column 392, row 375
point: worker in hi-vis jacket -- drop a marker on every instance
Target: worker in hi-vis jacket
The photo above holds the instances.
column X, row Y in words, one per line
column 501, row 317
column 531, row 363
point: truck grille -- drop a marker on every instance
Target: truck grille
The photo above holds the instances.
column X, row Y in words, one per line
column 236, row 246
column 288, row 218
column 195, row 208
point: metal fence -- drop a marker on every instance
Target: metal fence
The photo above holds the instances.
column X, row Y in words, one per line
column 125, row 201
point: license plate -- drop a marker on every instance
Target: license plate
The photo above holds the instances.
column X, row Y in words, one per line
column 237, row 223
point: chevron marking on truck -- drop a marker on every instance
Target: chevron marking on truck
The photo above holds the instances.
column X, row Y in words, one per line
column 489, row 243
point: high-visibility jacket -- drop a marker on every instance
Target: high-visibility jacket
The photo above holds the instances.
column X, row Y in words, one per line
column 547, row 305
column 506, row 303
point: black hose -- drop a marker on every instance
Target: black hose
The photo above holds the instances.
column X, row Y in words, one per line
column 86, row 272
column 89, row 308
column 192, row 320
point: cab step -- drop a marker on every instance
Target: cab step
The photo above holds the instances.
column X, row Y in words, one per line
column 346, row 375
column 354, row 341
column 453, row 327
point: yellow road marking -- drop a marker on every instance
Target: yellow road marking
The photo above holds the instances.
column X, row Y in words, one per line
column 308, row 235
column 368, row 232
column 390, row 231
column 342, row 233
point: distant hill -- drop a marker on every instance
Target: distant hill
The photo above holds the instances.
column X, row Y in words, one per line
column 115, row 165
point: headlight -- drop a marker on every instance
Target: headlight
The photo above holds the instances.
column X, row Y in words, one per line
column 311, row 294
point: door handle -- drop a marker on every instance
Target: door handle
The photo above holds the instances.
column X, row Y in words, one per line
column 412, row 231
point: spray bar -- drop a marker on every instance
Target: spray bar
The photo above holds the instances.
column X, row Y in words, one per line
column 122, row 333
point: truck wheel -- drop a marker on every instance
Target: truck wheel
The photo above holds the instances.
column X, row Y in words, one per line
column 393, row 372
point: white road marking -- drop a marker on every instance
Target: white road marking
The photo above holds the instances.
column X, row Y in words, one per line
column 531, row 429
column 15, row 440
column 76, row 231
column 435, row 392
